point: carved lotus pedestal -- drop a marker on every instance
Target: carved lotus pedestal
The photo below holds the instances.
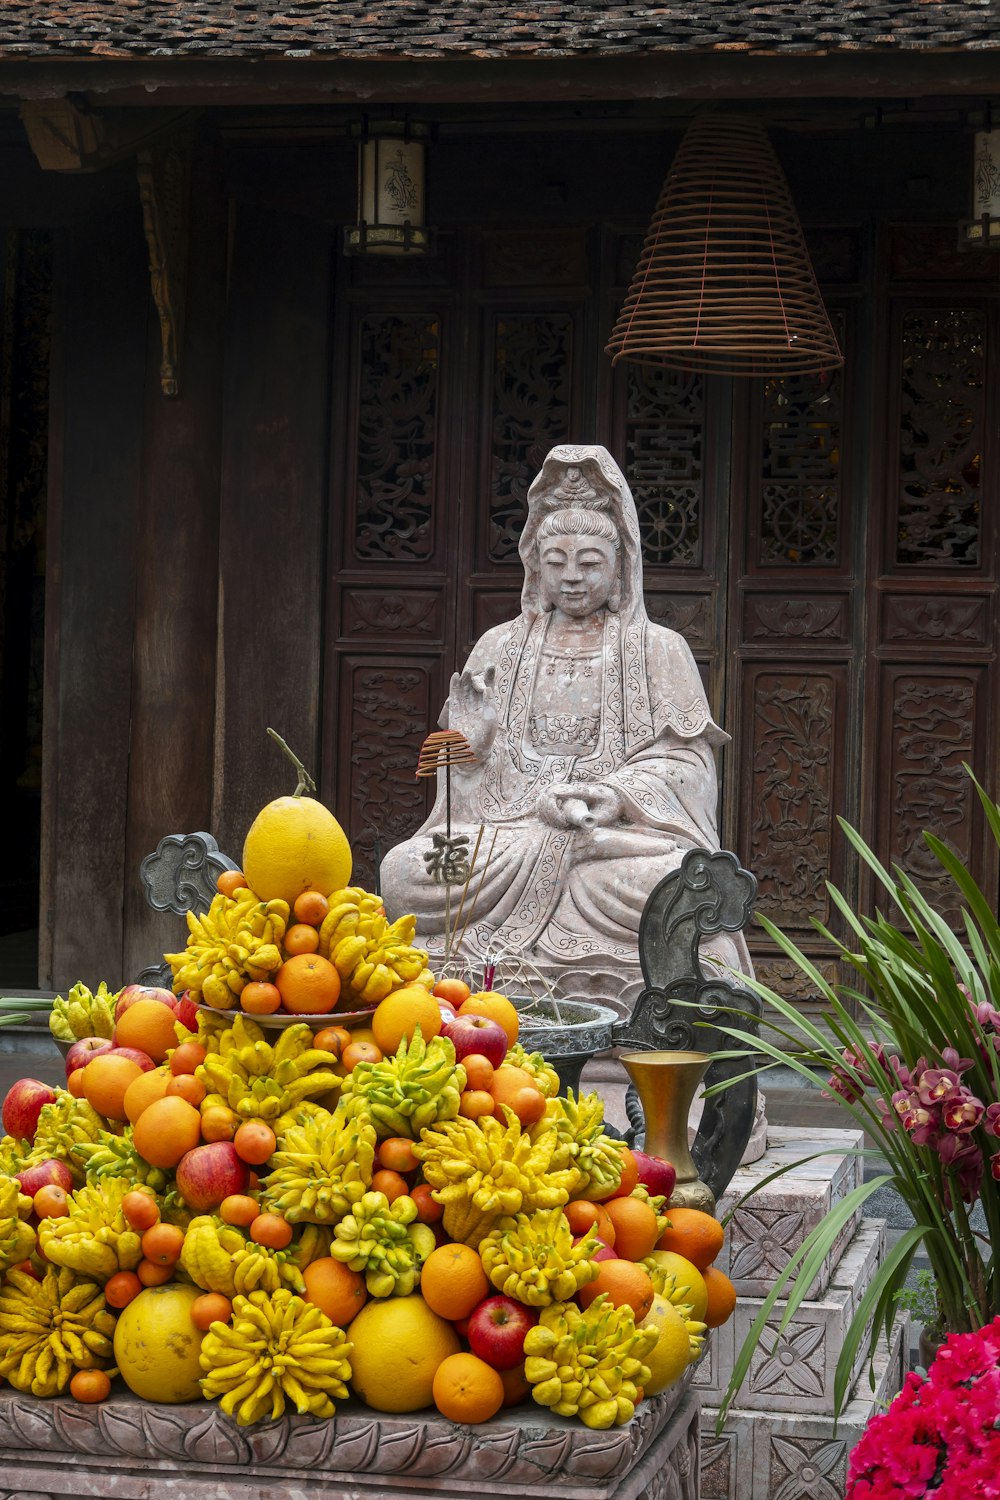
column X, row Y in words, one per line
column 136, row 1451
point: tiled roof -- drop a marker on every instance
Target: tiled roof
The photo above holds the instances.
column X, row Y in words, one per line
column 442, row 29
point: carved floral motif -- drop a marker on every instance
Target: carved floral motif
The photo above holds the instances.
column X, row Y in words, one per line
column 803, row 1468
column 664, row 418
column 389, row 718
column 936, row 619
column 375, row 612
column 813, row 618
column 690, row 617
column 790, row 1363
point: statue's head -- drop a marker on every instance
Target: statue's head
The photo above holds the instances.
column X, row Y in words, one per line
column 580, row 545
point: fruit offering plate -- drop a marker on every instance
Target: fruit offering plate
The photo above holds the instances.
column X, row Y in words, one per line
column 279, row 1021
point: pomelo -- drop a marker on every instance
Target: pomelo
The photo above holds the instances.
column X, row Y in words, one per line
column 398, row 1345
column 295, row 844
column 157, row 1344
column 671, row 1354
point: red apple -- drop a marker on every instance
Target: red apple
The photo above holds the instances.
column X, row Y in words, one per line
column 210, row 1173
column 51, row 1170
column 81, row 1052
column 186, row 1011
column 133, row 1053
column 133, row 992
column 498, row 1328
column 448, row 1012
column 22, row 1106
column 472, row 1033
column 656, row 1174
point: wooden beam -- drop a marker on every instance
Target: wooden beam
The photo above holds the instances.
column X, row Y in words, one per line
column 165, row 192
column 68, row 134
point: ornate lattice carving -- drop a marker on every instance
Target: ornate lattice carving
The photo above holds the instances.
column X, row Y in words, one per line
column 532, row 371
column 921, row 618
column 794, row 722
column 664, row 415
column 390, row 712
column 942, row 370
column 800, row 469
column 397, row 411
column 932, row 734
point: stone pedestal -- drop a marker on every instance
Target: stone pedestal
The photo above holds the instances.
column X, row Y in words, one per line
column 136, row 1451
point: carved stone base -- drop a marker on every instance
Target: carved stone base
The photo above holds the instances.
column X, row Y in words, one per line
column 136, row 1451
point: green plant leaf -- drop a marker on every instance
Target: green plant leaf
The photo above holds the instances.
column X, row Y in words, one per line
column 882, row 1289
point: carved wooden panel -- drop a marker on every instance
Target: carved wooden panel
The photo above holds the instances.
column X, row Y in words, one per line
column 948, row 622
column 940, row 367
column 808, row 617
column 794, row 727
column 664, row 462
column 396, row 448
column 539, row 257
column 691, row 615
column 400, row 614
column 387, row 707
column 929, row 252
column 493, row 607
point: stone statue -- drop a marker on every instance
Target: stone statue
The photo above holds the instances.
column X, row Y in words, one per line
column 594, row 769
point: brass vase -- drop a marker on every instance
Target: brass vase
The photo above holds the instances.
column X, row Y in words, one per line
column 667, row 1083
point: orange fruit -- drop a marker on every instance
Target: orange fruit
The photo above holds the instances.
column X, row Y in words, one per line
column 211, row 1307
column 582, row 1214
column 300, row 938
column 635, row 1227
column 455, row 991
column 497, row 1007
column 467, row 1389
column 51, row 1202
column 695, row 1235
column 507, row 1082
column 271, row 1231
column 74, row 1083
column 145, row 1090
column 474, row 1103
column 332, row 1039
column 186, row 1086
column 231, row 881
column 90, row 1386
column 163, row 1244
column 187, row 1057
column 260, row 998
column 515, row 1387
column 390, row 1183
column 335, row 1289
column 428, row 1210
column 309, row 985
column 357, row 1052
column 453, row 1281
column 311, row 907
column 255, row 1142
column 219, row 1123
column 150, row 1274
column 150, row 1026
column 721, row 1297
column 165, row 1130
column 624, row 1282
column 478, row 1071
column 529, row 1105
column 239, row 1209
column 399, row 1013
column 141, row 1210
column 120, row 1288
column 397, row 1154
column 106, row 1077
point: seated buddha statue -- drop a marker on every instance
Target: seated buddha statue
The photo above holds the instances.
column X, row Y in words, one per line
column 594, row 768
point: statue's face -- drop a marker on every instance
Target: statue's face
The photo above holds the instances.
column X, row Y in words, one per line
column 578, row 573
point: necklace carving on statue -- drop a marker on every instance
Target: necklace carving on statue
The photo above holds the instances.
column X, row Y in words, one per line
column 570, row 663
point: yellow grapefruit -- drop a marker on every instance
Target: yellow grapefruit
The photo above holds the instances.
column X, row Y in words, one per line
column 687, row 1284
column 157, row 1344
column 398, row 1345
column 671, row 1354
column 295, row 844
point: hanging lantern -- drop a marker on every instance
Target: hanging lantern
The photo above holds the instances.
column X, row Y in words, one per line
column 982, row 231
column 724, row 282
column 391, row 171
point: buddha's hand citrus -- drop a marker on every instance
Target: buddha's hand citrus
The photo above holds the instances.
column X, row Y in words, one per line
column 532, row 1258
column 94, row 1239
column 578, row 1124
column 51, row 1328
column 384, row 1242
column 261, row 1081
column 237, row 940
column 17, row 1238
column 588, row 1363
column 417, row 1088
column 324, row 1165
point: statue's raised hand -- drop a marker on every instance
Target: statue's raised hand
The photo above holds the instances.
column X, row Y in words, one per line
column 471, row 710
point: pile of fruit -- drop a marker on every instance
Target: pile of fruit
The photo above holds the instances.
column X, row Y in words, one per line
column 275, row 1214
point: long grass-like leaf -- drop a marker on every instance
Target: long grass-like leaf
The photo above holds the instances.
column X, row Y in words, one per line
column 879, row 1294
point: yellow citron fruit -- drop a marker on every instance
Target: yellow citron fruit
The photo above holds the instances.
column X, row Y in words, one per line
column 685, row 1275
column 671, row 1354
column 397, row 1015
column 157, row 1344
column 398, row 1345
column 295, row 844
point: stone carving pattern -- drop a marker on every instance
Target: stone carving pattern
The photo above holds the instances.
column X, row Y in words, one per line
column 181, row 874
column 800, row 468
column 690, row 617
column 928, row 619
column 793, row 720
column 762, row 1241
column 664, row 416
column 397, row 411
column 942, row 377
column 792, row 1363
column 679, row 1479
column 815, row 619
column 389, row 718
column 932, row 734
column 718, row 1465
column 801, row 1468
column 372, row 612
column 532, row 366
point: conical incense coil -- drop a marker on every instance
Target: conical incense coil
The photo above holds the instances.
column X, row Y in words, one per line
column 724, row 282
column 441, row 750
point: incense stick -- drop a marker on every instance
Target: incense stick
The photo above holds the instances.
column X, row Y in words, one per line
column 451, row 930
column 479, row 889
